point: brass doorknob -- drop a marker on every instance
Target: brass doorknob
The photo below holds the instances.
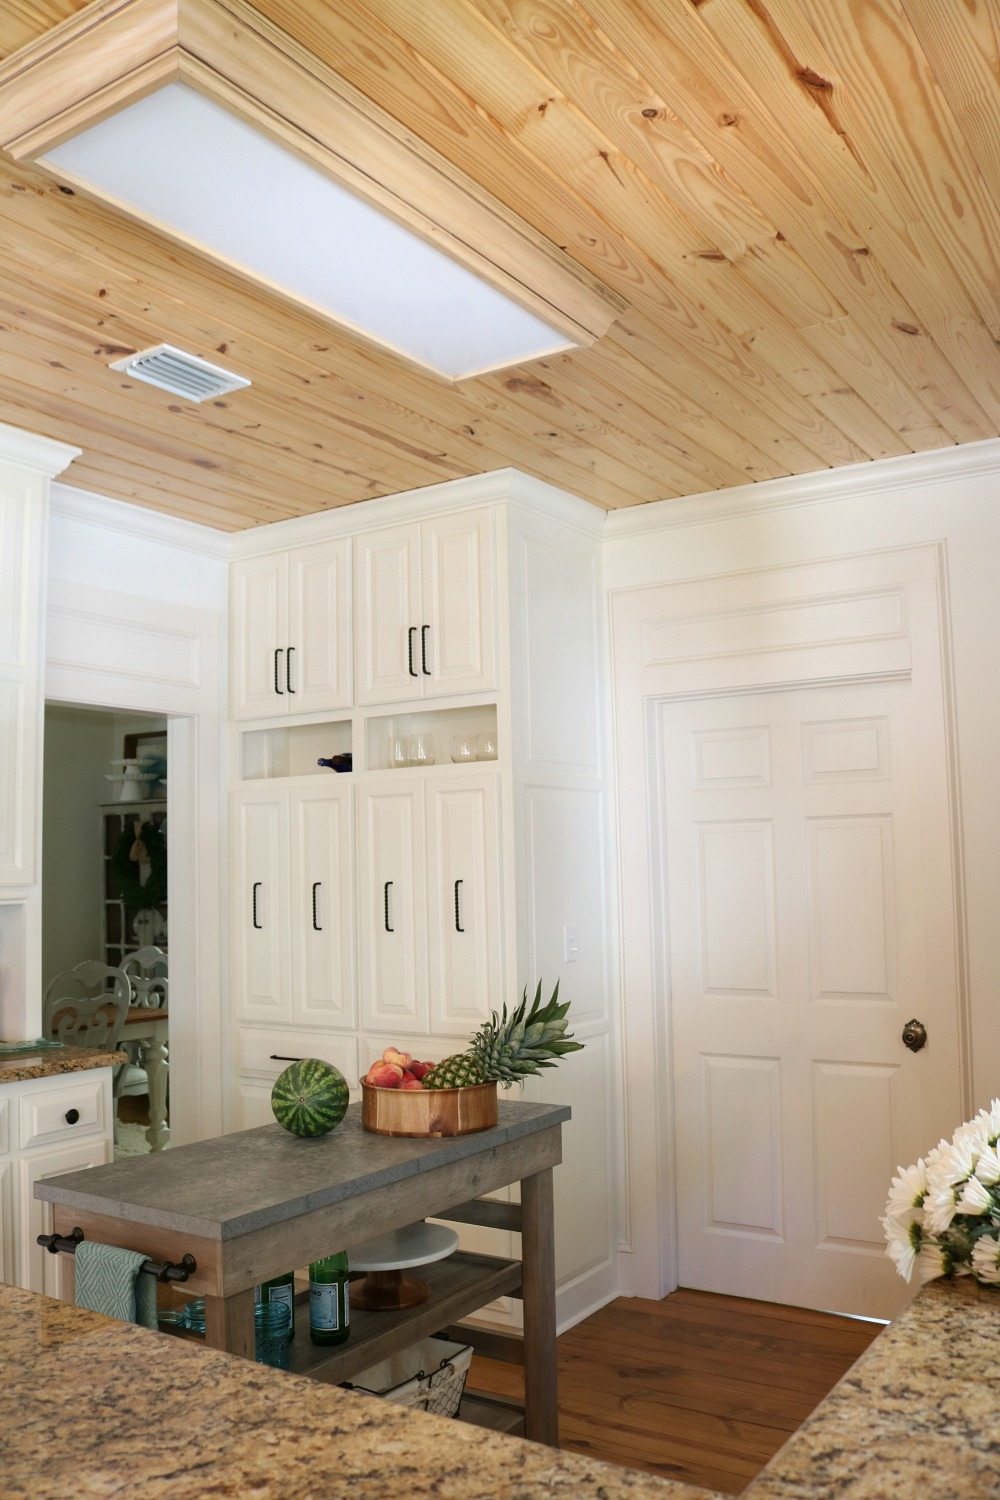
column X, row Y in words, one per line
column 914, row 1035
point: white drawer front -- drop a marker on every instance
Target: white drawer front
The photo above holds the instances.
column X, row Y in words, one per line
column 6, row 1143
column 63, row 1113
column 268, row 1053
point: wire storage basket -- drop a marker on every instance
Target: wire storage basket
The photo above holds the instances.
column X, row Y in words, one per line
column 429, row 1376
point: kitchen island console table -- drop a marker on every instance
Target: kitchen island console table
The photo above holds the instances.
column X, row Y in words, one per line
column 250, row 1205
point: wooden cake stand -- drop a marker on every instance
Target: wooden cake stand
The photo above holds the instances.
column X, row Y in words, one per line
column 384, row 1288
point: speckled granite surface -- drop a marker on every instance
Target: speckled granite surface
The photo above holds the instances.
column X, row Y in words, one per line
column 92, row 1408
column 916, row 1418
column 25, row 1065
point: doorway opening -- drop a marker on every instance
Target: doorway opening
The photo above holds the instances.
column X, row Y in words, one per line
column 104, row 896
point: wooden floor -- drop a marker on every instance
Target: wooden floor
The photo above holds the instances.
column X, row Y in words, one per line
column 697, row 1387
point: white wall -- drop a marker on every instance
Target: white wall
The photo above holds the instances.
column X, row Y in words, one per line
column 137, row 623
column 951, row 497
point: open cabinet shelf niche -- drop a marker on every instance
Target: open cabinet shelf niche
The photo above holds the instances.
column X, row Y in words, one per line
column 443, row 730
column 292, row 749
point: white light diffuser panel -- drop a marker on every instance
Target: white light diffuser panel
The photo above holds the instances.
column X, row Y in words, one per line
column 178, row 160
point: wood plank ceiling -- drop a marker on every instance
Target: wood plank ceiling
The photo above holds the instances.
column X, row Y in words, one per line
column 799, row 199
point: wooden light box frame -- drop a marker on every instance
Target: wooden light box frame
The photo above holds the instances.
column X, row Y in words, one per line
column 115, row 52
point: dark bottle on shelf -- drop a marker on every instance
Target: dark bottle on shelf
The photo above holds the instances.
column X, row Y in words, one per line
column 343, row 762
column 329, row 1300
column 279, row 1289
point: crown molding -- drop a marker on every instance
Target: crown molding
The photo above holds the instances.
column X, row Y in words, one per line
column 135, row 521
column 877, row 477
column 35, row 452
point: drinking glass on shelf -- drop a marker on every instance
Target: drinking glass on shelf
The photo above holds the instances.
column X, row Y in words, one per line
column 397, row 751
column 463, row 747
column 486, row 745
column 423, row 751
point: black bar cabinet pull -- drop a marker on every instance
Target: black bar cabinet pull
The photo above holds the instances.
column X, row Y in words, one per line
column 288, row 669
column 256, row 887
column 385, row 898
column 316, row 886
column 423, row 649
column 458, row 915
column 280, row 1057
column 163, row 1270
column 277, row 685
column 409, row 650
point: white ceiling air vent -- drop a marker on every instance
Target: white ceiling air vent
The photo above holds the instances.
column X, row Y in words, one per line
column 180, row 373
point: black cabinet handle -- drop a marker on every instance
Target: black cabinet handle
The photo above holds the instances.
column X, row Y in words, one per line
column 409, row 650
column 256, row 887
column 288, row 669
column 458, row 913
column 316, row 886
column 72, row 1115
column 277, row 684
column 385, row 898
column 423, row 649
column 279, row 1057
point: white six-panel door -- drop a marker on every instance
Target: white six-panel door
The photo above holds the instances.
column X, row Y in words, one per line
column 808, row 917
column 463, row 901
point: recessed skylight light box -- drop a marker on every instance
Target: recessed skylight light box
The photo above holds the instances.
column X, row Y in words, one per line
column 202, row 119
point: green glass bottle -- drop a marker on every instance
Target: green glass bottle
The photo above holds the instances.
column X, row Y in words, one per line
column 279, row 1289
column 329, row 1301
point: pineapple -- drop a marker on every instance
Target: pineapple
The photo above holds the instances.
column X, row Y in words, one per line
column 506, row 1050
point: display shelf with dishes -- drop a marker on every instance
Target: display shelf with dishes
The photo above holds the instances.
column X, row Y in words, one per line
column 127, row 922
column 432, row 737
column 288, row 750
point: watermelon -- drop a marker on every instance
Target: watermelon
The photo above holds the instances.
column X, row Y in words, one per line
column 310, row 1097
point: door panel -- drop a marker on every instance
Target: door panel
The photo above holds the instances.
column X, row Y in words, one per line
column 387, row 636
column 463, row 901
column 321, row 906
column 809, row 915
column 393, row 915
column 319, row 627
column 459, row 650
column 260, row 933
column 259, row 628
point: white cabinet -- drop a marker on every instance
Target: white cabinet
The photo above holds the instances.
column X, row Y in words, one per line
column 425, row 621
column 431, row 923
column 55, row 1124
column 291, row 631
column 293, row 951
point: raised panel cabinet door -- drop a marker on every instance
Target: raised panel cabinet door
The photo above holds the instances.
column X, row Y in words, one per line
column 458, row 628
column 18, row 773
column 464, row 920
column 393, row 914
column 259, row 904
column 387, row 616
column 37, row 1269
column 321, row 905
column 318, row 652
column 259, row 637
column 8, row 1224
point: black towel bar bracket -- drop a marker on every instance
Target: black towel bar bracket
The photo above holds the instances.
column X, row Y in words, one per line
column 163, row 1270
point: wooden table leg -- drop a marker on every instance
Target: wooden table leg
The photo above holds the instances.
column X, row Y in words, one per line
column 538, row 1288
column 229, row 1323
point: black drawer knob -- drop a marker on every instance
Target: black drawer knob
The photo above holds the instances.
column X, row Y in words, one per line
column 72, row 1115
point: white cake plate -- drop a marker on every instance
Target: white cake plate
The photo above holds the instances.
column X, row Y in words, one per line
column 388, row 1256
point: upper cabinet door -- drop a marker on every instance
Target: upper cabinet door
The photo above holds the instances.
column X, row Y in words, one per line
column 321, row 901
column 259, row 644
column 318, row 648
column 260, row 952
column 388, row 616
column 457, row 629
column 464, row 921
column 392, row 918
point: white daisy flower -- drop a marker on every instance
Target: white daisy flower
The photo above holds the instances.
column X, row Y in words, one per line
column 952, row 1162
column 986, row 1260
column 988, row 1167
column 973, row 1198
column 907, row 1190
column 903, row 1244
column 939, row 1208
column 933, row 1261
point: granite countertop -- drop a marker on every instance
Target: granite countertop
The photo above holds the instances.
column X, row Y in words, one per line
column 206, row 1191
column 21, row 1066
column 94, row 1408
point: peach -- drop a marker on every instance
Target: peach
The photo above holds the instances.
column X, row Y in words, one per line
column 419, row 1069
column 411, row 1083
column 385, row 1076
column 393, row 1055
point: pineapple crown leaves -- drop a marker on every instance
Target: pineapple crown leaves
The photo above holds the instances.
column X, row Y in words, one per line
column 511, row 1046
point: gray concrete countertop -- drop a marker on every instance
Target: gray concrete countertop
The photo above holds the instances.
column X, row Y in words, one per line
column 223, row 1188
column 20, row 1067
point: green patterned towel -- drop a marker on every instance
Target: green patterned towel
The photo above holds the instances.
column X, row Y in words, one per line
column 108, row 1281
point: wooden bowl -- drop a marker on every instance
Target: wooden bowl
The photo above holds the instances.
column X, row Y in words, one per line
column 429, row 1112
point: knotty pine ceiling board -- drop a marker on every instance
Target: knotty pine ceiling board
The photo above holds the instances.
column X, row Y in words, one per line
column 798, row 199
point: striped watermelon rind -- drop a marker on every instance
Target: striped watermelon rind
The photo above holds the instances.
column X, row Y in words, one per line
column 310, row 1097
